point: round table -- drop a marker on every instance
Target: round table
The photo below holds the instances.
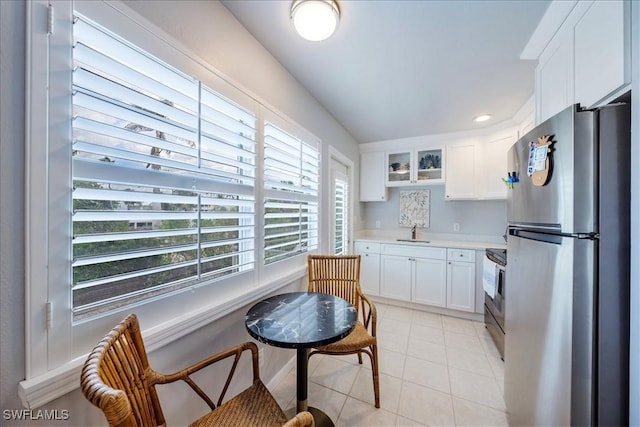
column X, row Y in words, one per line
column 302, row 320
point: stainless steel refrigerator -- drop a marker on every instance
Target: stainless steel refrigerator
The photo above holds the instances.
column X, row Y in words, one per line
column 567, row 315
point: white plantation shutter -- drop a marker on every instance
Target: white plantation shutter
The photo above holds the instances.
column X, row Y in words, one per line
column 141, row 169
column 291, row 177
column 163, row 176
column 340, row 232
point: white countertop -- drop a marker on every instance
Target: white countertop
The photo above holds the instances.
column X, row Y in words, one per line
column 442, row 241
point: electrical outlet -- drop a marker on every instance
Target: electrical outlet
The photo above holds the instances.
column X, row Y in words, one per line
column 378, row 224
column 261, row 357
column 456, row 226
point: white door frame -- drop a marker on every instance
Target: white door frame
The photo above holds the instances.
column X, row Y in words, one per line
column 336, row 155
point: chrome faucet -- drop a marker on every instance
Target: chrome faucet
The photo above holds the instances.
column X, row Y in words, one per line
column 413, row 231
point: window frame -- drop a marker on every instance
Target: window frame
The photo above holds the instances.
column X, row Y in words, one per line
column 49, row 327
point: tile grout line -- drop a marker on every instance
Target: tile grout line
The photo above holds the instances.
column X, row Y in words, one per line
column 411, row 323
column 446, row 352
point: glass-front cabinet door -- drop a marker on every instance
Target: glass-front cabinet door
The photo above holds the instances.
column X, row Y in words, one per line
column 399, row 168
column 415, row 167
column 429, row 170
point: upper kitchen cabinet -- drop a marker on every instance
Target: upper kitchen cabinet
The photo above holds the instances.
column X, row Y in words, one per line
column 462, row 164
column 494, row 164
column 420, row 166
column 554, row 88
column 584, row 54
column 373, row 176
column 602, row 51
column 476, row 167
column 470, row 164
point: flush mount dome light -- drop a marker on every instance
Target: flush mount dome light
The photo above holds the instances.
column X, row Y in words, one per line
column 482, row 118
column 315, row 20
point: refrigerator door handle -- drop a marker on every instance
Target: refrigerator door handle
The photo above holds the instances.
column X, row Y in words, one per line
column 532, row 235
column 536, row 234
column 543, row 228
column 587, row 236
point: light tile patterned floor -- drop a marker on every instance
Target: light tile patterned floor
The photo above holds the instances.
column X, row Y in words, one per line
column 434, row 370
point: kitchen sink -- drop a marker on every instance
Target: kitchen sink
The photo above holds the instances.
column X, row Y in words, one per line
column 413, row 240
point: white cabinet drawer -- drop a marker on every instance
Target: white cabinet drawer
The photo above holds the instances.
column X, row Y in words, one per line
column 464, row 255
column 366, row 247
column 414, row 251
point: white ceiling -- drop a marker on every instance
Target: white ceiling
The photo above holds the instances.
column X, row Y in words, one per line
column 398, row 69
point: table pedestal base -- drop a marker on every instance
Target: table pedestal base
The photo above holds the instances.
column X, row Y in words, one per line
column 321, row 419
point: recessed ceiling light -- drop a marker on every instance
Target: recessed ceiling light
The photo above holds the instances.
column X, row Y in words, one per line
column 482, row 118
column 315, row 20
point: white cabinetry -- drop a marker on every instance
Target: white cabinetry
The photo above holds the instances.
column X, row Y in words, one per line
column 414, row 273
column 395, row 277
column 420, row 166
column 461, row 171
column 583, row 53
column 369, row 267
column 429, row 282
column 372, row 177
column 554, row 80
column 475, row 168
column 494, row 165
column 600, row 52
column 438, row 277
column 461, row 283
column 526, row 122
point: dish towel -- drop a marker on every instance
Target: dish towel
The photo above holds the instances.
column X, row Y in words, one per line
column 490, row 277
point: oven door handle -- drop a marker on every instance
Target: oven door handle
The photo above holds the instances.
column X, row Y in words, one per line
column 500, row 266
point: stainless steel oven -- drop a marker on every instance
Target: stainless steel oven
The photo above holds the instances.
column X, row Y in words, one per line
column 494, row 307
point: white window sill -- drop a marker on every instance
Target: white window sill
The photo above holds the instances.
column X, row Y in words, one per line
column 43, row 389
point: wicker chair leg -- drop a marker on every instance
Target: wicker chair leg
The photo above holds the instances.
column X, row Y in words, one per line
column 376, row 377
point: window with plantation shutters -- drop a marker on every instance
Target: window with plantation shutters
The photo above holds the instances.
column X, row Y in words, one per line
column 291, row 177
column 146, row 171
column 163, row 176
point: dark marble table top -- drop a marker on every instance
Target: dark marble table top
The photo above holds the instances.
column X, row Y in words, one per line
column 300, row 320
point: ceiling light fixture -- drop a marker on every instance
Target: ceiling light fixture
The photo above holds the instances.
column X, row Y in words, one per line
column 482, row 118
column 315, row 20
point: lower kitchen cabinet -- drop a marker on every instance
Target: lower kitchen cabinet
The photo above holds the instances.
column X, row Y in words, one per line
column 395, row 277
column 438, row 277
column 413, row 273
column 369, row 267
column 430, row 282
column 461, row 280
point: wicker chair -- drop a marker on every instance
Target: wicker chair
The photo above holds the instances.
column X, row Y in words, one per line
column 340, row 275
column 117, row 379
